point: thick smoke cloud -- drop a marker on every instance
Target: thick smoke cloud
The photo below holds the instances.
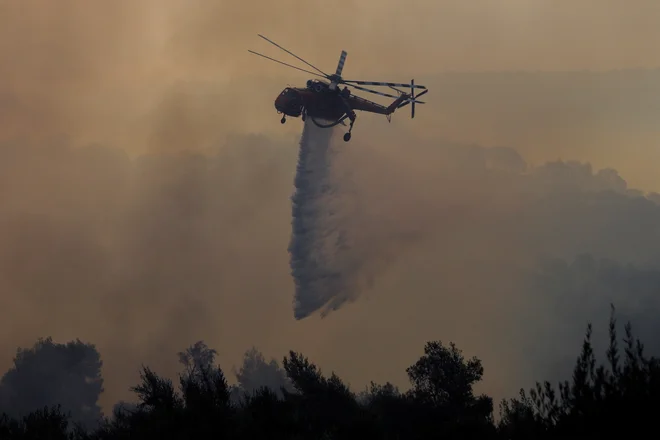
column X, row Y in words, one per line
column 604, row 118
column 144, row 256
column 485, row 217
column 580, row 290
column 140, row 255
column 255, row 373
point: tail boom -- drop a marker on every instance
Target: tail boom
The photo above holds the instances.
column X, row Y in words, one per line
column 396, row 103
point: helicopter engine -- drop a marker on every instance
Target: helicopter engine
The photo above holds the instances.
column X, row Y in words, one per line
column 317, row 86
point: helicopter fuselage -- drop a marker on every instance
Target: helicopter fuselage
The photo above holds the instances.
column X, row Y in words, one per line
column 317, row 100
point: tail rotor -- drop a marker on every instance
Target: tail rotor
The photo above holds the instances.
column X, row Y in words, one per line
column 412, row 96
column 412, row 99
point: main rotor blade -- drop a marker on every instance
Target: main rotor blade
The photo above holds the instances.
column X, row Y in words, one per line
column 340, row 64
column 388, row 84
column 289, row 65
column 291, row 53
column 372, row 91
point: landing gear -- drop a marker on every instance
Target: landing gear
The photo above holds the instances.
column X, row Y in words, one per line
column 283, row 120
column 352, row 116
column 303, row 115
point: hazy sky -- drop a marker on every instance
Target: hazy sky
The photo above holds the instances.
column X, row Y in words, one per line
column 144, row 259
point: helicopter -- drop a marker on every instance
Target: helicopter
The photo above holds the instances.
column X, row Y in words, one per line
column 325, row 101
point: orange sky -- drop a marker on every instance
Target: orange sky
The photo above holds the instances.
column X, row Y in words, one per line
column 163, row 76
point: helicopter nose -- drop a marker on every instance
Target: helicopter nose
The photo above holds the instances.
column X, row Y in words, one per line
column 279, row 104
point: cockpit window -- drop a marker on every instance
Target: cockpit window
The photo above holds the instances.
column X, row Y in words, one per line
column 284, row 92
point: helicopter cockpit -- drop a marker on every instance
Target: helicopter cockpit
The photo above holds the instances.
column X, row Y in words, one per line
column 289, row 102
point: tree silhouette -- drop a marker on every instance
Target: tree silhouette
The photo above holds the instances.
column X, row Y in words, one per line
column 50, row 374
column 442, row 377
column 264, row 414
column 199, row 407
column 323, row 406
column 44, row 423
column 620, row 398
column 601, row 400
column 196, row 359
column 442, row 383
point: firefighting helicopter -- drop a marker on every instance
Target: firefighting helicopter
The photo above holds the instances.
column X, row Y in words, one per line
column 324, row 101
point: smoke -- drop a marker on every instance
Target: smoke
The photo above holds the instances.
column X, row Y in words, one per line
column 140, row 256
column 584, row 116
column 143, row 256
column 581, row 290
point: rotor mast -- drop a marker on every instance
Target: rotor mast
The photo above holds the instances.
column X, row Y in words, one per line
column 336, row 78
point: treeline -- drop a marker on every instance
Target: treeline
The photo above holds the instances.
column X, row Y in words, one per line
column 619, row 396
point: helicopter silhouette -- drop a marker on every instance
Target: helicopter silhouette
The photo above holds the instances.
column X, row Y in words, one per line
column 325, row 101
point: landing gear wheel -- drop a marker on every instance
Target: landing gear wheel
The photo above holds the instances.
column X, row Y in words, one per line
column 304, row 116
column 283, row 120
column 347, row 137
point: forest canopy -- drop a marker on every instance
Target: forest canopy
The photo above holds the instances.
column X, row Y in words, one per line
column 52, row 392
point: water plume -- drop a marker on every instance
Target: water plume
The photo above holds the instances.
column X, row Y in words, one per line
column 316, row 234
